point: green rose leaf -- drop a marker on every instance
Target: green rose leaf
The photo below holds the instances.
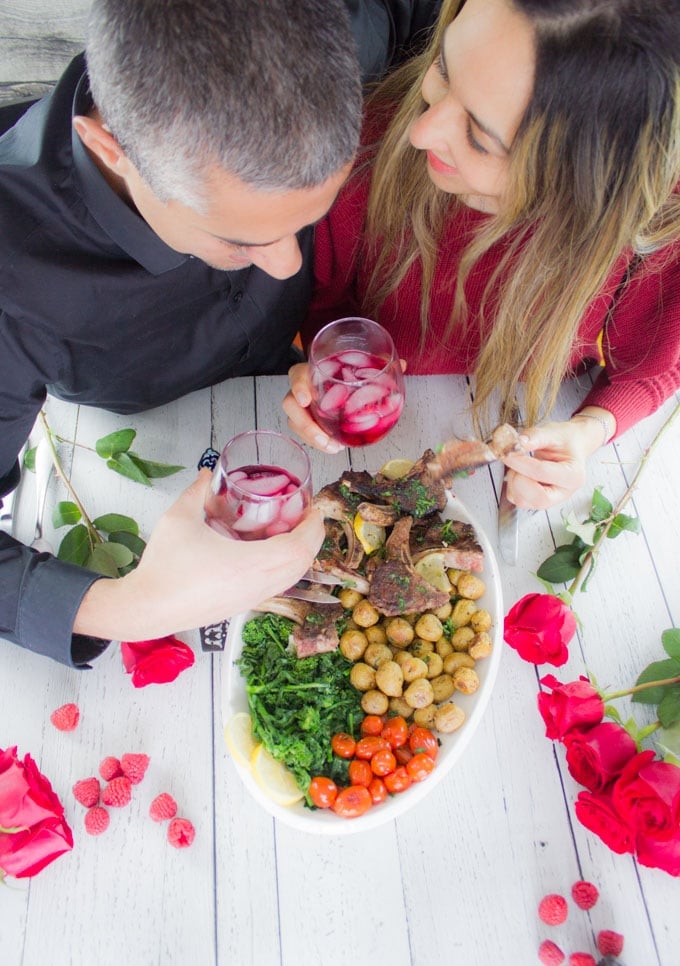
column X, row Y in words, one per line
column 122, row 556
column 668, row 740
column 123, row 464
column 671, row 642
column 562, row 566
column 657, row 671
column 75, row 547
column 154, row 470
column 129, row 540
column 669, row 707
column 102, row 562
column 586, row 531
column 29, row 459
column 65, row 513
column 111, row 522
column 600, row 507
column 611, row 712
column 118, row 442
column 623, row 522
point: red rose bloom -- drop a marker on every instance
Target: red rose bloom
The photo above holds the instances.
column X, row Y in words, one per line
column 647, row 796
column 597, row 756
column 597, row 813
column 155, row 662
column 29, row 805
column 575, row 705
column 659, row 855
column 539, row 627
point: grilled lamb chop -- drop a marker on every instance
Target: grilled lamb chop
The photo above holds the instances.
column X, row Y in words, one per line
column 466, row 454
column 419, row 493
column 395, row 586
column 455, row 540
column 318, row 633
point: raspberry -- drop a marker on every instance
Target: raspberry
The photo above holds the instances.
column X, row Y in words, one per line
column 87, row 792
column 553, row 909
column 584, row 894
column 117, row 793
column 181, row 833
column 110, row 768
column 550, row 954
column 96, row 820
column 609, row 943
column 163, row 807
column 134, row 767
column 581, row 959
column 66, row 717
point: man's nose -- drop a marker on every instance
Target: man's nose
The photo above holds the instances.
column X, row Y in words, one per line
column 280, row 260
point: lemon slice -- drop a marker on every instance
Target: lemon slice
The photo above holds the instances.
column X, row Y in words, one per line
column 238, row 735
column 396, row 468
column 371, row 535
column 274, row 778
column 433, row 569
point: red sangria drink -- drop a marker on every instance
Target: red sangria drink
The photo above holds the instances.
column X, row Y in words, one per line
column 357, row 382
column 261, row 486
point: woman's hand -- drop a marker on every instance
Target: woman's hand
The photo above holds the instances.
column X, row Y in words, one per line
column 190, row 575
column 553, row 464
column 296, row 407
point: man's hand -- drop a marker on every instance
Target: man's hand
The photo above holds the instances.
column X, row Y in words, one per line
column 553, row 464
column 190, row 575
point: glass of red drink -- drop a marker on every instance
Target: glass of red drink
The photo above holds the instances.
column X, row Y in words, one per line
column 357, row 382
column 261, row 486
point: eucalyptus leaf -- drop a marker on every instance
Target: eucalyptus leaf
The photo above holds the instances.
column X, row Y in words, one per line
column 29, row 459
column 562, row 566
column 111, row 522
column 623, row 522
column 118, row 442
column 75, row 547
column 65, row 514
column 669, row 707
column 657, row 671
column 668, row 741
column 600, row 507
column 155, row 470
column 671, row 642
column 129, row 540
column 101, row 561
column 587, row 531
column 121, row 463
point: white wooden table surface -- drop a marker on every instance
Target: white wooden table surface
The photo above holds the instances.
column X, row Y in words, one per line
column 455, row 881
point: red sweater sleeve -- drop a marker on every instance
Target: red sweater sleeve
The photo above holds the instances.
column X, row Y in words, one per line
column 641, row 343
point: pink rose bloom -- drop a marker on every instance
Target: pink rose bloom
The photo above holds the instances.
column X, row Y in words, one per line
column 575, row 705
column 539, row 627
column 597, row 756
column 155, row 662
column 647, row 796
column 29, row 805
column 597, row 813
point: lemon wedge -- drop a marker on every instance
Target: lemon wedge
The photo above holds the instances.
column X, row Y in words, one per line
column 238, row 735
column 433, row 569
column 371, row 535
column 396, row 468
column 274, row 778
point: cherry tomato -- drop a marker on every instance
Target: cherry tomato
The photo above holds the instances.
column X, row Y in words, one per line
column 423, row 740
column 367, row 747
column 360, row 773
column 398, row 781
column 419, row 767
column 323, row 792
column 343, row 745
column 352, row 802
column 395, row 732
column 403, row 755
column 372, row 725
column 377, row 791
column 383, row 763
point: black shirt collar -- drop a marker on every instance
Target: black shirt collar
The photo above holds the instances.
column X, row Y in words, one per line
column 126, row 228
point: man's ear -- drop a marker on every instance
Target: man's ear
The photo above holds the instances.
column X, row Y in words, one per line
column 101, row 143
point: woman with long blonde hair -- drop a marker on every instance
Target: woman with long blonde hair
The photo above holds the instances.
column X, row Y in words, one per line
column 515, row 214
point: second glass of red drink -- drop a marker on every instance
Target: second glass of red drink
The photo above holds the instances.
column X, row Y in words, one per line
column 261, row 486
column 357, row 382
